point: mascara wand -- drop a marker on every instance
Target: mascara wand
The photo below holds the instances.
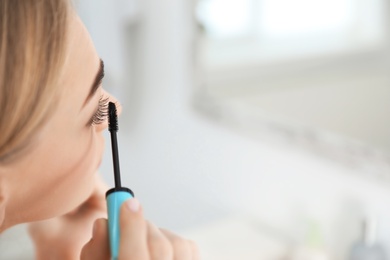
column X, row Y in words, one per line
column 117, row 195
column 113, row 128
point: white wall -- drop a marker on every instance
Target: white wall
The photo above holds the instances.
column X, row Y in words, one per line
column 188, row 170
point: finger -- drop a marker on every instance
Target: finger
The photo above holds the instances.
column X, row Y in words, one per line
column 98, row 247
column 194, row 250
column 133, row 232
column 159, row 245
column 182, row 249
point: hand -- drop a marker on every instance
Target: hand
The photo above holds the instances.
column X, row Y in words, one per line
column 63, row 237
column 139, row 239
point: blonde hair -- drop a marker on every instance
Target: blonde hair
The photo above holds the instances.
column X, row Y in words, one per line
column 32, row 53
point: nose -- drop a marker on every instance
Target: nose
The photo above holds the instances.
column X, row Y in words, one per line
column 115, row 101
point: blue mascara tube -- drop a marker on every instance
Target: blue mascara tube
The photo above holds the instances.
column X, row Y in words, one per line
column 115, row 198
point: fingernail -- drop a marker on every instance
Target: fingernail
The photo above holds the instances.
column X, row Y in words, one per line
column 133, row 205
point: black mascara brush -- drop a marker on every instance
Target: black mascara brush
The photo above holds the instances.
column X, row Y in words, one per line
column 117, row 195
column 113, row 128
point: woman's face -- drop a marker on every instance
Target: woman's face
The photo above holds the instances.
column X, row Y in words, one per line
column 59, row 171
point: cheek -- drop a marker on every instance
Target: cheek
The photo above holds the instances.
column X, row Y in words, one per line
column 81, row 165
column 68, row 176
column 82, row 156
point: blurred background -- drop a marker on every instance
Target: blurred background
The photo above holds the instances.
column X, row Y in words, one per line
column 258, row 128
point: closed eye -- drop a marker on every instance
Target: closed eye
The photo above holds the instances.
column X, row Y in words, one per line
column 101, row 112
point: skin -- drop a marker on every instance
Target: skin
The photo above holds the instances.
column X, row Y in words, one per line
column 56, row 185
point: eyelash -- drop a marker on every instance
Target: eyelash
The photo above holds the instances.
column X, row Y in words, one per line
column 101, row 112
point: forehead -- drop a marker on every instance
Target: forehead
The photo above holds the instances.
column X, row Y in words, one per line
column 82, row 63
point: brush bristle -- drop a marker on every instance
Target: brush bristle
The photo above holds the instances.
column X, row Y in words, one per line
column 112, row 117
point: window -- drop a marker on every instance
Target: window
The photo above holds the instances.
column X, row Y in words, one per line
column 300, row 66
column 258, row 31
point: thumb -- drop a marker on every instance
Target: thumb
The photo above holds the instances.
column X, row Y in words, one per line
column 133, row 232
column 98, row 247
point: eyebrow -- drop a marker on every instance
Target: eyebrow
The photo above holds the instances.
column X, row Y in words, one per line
column 96, row 83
